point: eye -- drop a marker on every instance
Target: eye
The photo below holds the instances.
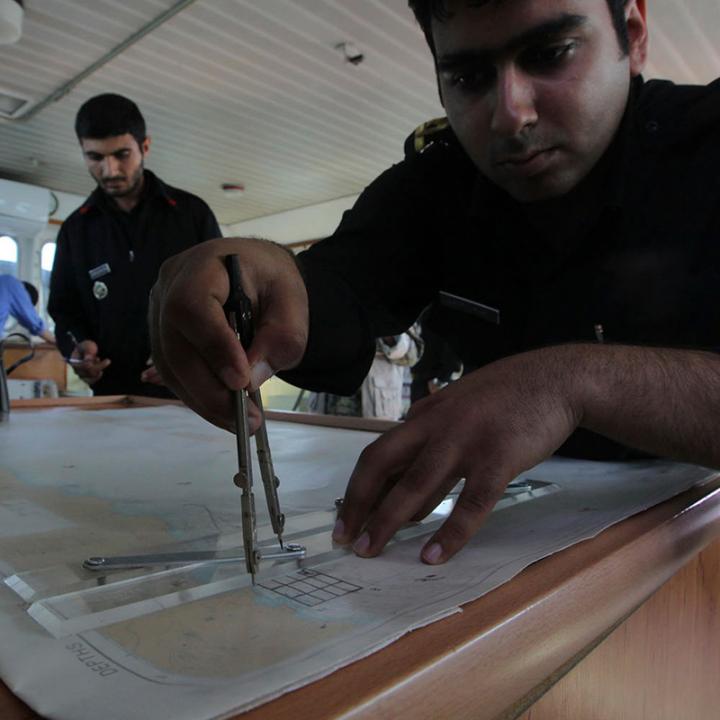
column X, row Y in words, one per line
column 548, row 57
column 121, row 155
column 469, row 80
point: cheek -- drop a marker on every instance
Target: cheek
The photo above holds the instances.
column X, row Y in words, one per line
column 471, row 124
column 590, row 102
column 571, row 113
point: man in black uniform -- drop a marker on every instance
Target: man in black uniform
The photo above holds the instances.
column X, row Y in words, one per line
column 109, row 251
column 575, row 210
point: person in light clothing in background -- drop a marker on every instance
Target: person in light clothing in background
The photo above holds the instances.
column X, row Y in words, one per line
column 382, row 389
column 18, row 300
column 381, row 392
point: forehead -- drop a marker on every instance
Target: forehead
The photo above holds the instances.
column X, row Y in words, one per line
column 492, row 25
column 108, row 145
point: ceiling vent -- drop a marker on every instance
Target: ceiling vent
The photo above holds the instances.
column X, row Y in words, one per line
column 12, row 105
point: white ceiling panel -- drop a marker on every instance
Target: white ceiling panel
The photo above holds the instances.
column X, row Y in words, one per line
column 254, row 91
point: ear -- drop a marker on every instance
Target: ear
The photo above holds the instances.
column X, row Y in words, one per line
column 145, row 147
column 636, row 18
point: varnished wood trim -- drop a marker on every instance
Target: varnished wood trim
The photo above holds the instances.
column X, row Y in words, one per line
column 109, row 401
column 93, row 401
column 662, row 663
column 336, row 421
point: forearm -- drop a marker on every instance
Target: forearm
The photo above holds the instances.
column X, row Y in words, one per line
column 508, row 416
column 663, row 401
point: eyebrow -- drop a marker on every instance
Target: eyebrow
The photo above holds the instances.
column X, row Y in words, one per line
column 114, row 152
column 545, row 31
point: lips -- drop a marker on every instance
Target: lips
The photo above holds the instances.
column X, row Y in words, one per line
column 522, row 159
column 528, row 163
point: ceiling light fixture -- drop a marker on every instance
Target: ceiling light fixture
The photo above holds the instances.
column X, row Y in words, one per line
column 11, row 17
column 233, row 189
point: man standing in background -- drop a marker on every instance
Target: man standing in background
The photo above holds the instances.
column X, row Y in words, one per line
column 109, row 251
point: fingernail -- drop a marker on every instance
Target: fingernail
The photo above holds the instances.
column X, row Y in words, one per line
column 231, row 378
column 432, row 553
column 259, row 373
column 362, row 544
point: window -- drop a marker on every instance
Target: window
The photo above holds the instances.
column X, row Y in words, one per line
column 8, row 256
column 47, row 258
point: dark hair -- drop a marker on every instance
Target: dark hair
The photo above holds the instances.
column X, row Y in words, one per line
column 32, row 292
column 110, row 115
column 426, row 10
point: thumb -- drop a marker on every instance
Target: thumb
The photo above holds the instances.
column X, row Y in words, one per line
column 88, row 348
column 275, row 347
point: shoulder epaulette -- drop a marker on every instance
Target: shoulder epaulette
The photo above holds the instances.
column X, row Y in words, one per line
column 426, row 135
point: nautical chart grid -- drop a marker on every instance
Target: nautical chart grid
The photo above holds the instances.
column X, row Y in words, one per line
column 309, row 587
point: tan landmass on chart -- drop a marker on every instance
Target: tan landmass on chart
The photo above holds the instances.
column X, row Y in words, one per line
column 95, row 529
column 222, row 636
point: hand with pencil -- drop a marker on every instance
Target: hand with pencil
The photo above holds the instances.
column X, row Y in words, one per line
column 86, row 363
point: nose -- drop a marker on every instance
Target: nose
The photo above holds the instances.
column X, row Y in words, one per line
column 110, row 166
column 514, row 108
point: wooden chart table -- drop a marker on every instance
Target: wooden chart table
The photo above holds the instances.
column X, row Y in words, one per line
column 623, row 626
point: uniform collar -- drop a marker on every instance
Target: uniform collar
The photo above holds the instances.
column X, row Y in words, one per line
column 619, row 154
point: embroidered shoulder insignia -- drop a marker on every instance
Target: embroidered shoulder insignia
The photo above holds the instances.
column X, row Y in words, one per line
column 426, row 133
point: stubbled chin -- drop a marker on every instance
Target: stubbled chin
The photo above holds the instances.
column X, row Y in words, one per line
column 547, row 188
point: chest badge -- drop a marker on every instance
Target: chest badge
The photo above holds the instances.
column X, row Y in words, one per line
column 100, row 290
column 97, row 272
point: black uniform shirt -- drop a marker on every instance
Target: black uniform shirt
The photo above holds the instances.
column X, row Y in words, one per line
column 107, row 261
column 631, row 255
